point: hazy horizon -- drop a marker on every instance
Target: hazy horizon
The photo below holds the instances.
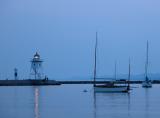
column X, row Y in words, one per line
column 63, row 32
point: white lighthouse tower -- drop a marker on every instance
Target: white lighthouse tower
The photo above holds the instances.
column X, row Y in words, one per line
column 36, row 67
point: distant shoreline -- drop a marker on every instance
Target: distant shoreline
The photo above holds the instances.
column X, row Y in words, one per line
column 53, row 82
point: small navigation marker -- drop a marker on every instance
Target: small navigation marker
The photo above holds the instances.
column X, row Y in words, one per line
column 16, row 74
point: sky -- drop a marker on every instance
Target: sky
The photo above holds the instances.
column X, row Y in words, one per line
column 63, row 32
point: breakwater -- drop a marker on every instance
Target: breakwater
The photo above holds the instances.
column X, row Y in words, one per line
column 53, row 82
column 28, row 82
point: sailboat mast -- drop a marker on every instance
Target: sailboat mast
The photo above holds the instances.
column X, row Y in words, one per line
column 95, row 59
column 129, row 74
column 146, row 65
column 115, row 70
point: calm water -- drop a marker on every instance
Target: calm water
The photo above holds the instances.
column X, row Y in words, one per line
column 69, row 101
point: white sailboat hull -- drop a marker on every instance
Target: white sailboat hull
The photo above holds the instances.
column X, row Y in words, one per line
column 146, row 84
column 111, row 89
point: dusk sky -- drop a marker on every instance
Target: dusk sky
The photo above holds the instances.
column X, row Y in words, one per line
column 63, row 32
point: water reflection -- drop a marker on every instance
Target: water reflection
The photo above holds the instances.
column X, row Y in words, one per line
column 94, row 104
column 111, row 105
column 36, row 102
column 147, row 105
column 15, row 104
column 129, row 104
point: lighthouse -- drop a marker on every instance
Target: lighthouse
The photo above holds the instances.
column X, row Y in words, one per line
column 36, row 67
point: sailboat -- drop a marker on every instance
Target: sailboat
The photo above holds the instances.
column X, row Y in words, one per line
column 107, row 87
column 147, row 83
